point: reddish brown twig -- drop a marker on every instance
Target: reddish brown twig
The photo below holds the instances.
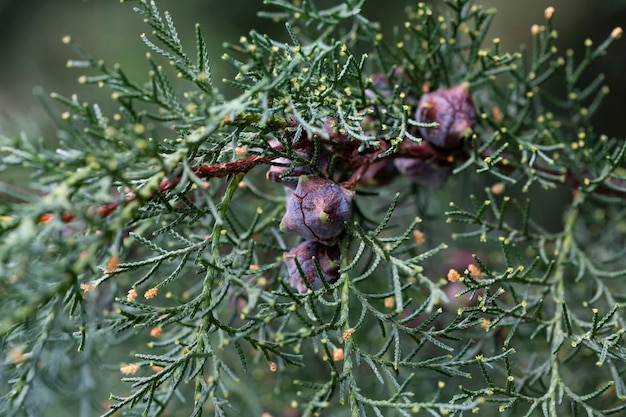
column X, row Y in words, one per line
column 202, row 171
column 358, row 162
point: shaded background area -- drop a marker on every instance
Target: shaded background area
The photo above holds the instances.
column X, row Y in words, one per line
column 33, row 54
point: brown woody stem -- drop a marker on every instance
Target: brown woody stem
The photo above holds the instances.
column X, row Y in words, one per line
column 360, row 162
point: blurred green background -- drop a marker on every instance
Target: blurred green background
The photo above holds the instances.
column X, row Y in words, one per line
column 33, row 54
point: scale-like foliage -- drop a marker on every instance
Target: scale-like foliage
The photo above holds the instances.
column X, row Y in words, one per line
column 157, row 238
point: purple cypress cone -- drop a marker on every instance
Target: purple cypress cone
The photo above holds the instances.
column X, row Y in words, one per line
column 385, row 85
column 317, row 210
column 328, row 258
column 275, row 172
column 380, row 172
column 381, row 83
column 453, row 109
column 431, row 174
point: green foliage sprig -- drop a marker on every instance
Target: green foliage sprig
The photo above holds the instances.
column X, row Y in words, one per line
column 156, row 238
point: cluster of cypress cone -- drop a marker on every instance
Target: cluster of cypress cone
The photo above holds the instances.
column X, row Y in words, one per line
column 318, row 206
